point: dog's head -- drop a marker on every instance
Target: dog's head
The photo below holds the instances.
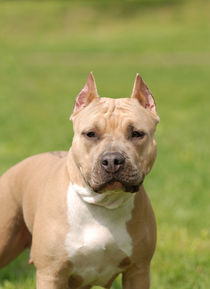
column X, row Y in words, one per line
column 114, row 145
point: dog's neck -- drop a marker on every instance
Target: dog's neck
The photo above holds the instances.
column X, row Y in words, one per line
column 109, row 200
column 75, row 175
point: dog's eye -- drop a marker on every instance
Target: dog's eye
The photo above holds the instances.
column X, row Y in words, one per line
column 137, row 134
column 91, row 134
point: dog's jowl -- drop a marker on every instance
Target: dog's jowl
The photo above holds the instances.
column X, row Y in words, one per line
column 84, row 214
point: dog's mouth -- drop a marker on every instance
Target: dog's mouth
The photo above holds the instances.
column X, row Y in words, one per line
column 115, row 172
column 115, row 185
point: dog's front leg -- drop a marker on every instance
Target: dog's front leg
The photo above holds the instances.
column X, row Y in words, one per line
column 137, row 279
column 46, row 281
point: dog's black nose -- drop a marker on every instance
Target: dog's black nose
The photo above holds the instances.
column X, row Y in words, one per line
column 112, row 162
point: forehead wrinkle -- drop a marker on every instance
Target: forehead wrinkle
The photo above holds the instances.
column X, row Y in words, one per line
column 109, row 108
column 116, row 115
column 116, row 124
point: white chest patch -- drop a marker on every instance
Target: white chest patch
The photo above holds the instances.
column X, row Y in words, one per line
column 98, row 240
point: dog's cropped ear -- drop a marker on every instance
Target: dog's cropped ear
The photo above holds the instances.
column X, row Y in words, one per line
column 142, row 93
column 86, row 95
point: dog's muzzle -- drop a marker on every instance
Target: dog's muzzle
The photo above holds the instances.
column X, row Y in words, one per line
column 114, row 171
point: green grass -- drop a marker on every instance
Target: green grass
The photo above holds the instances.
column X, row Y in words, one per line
column 46, row 52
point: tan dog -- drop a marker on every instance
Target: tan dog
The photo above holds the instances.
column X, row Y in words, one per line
column 85, row 213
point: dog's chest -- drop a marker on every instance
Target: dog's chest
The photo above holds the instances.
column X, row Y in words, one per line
column 98, row 240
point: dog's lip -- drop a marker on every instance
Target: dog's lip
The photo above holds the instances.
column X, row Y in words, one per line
column 115, row 185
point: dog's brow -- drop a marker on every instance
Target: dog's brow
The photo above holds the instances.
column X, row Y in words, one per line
column 93, row 127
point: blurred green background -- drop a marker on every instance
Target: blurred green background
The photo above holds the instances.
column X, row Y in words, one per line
column 47, row 49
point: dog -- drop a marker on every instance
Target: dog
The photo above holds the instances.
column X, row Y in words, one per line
column 85, row 213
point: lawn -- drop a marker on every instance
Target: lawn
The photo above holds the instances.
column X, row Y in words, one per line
column 47, row 49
